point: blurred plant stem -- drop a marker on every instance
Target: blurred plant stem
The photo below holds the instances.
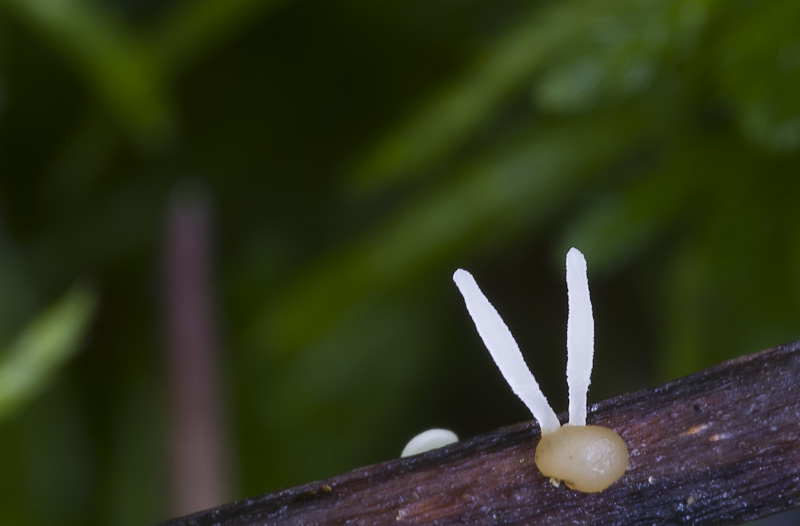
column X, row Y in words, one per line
column 198, row 442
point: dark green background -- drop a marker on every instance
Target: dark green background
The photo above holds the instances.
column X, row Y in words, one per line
column 352, row 154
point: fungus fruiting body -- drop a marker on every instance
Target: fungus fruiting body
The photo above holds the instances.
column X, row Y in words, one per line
column 427, row 440
column 587, row 458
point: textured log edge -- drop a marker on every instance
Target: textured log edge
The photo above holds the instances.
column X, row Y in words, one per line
column 716, row 447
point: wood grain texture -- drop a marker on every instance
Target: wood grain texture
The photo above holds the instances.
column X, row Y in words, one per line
column 721, row 446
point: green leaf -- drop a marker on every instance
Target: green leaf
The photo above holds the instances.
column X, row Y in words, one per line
column 759, row 68
column 617, row 49
column 511, row 190
column 43, row 347
column 109, row 58
column 619, row 224
column 192, row 28
column 443, row 122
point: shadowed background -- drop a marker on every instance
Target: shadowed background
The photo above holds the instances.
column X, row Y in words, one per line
column 228, row 228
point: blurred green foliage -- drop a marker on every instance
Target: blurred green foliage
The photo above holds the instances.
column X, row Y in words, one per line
column 41, row 348
column 356, row 153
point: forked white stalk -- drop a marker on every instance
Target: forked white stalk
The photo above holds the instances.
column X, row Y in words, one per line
column 587, row 458
column 505, row 351
column 580, row 336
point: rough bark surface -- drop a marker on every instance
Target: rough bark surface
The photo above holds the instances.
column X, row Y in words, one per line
column 721, row 446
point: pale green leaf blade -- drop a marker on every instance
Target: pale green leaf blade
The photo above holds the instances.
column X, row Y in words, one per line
column 42, row 348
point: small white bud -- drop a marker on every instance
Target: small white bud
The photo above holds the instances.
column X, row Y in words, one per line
column 427, row 440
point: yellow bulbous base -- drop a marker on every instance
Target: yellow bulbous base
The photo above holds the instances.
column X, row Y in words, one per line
column 586, row 458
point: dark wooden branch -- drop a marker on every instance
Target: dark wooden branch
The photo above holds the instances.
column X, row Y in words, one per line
column 721, row 446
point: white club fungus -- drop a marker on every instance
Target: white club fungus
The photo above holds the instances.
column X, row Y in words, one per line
column 580, row 336
column 505, row 351
column 586, row 458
